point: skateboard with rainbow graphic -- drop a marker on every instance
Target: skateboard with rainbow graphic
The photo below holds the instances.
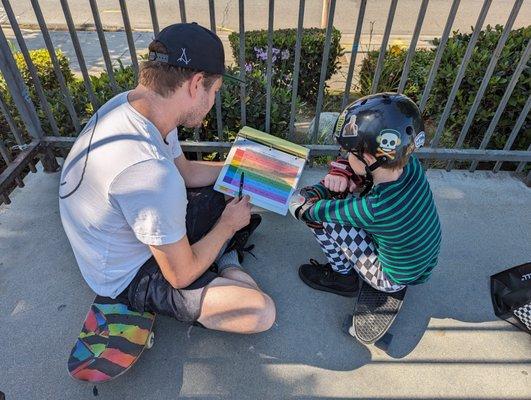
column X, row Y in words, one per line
column 112, row 339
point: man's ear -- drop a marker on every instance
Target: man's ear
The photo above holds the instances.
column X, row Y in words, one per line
column 195, row 83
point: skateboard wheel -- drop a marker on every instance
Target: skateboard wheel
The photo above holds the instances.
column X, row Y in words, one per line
column 348, row 327
column 384, row 342
column 151, row 340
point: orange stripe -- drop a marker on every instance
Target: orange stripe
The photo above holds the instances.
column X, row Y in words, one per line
column 118, row 357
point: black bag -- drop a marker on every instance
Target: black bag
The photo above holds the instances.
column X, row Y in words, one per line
column 511, row 296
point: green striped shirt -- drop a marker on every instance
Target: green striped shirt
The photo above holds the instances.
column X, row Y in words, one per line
column 400, row 216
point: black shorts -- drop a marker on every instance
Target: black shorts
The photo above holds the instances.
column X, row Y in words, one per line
column 150, row 291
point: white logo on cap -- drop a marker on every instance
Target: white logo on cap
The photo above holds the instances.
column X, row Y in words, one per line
column 183, row 57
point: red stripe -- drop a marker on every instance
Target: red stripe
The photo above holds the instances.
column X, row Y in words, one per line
column 90, row 322
column 92, row 375
column 250, row 158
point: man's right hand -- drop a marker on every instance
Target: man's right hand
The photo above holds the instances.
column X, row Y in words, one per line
column 237, row 213
column 182, row 263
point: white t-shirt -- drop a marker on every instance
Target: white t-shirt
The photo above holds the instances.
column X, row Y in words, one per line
column 122, row 195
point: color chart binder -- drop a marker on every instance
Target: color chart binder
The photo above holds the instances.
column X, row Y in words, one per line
column 272, row 168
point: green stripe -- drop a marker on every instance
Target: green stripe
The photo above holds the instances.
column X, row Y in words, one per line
column 417, row 185
column 327, row 211
column 407, row 252
column 412, row 257
column 337, row 213
column 315, row 210
column 407, row 206
column 419, row 215
column 419, row 257
column 422, row 189
column 347, row 212
column 431, row 263
column 358, row 214
column 413, row 279
column 414, row 171
column 366, row 209
column 432, row 215
column 424, row 231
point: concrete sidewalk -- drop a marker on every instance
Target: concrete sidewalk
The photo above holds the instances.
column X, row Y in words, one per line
column 448, row 343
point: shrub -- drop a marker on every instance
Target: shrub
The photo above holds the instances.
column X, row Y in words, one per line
column 43, row 64
column 466, row 94
column 255, row 101
column 284, row 40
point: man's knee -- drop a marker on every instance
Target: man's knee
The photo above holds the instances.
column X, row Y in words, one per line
column 265, row 315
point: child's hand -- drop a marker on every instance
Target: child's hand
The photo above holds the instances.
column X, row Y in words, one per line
column 337, row 183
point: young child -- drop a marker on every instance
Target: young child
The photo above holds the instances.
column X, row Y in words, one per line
column 390, row 234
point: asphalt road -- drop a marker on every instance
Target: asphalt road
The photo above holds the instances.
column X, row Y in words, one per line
column 285, row 15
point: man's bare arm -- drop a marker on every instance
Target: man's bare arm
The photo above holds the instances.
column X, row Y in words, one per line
column 198, row 173
column 182, row 263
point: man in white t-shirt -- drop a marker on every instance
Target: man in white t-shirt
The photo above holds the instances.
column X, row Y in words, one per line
column 144, row 222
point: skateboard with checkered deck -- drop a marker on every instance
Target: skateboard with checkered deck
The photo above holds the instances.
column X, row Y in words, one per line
column 374, row 314
column 112, row 339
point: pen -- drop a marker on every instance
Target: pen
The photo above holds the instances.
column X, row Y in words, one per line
column 241, row 185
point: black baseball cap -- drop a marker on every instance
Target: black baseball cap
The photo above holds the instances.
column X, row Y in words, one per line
column 192, row 46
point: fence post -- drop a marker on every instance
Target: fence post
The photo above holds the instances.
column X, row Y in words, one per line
column 324, row 65
column 486, row 79
column 324, row 13
column 31, row 67
column 129, row 35
column 243, row 109
column 438, row 55
column 383, row 47
column 22, row 100
column 18, row 89
column 219, row 121
column 296, row 69
column 354, row 53
column 461, row 73
column 412, row 46
column 522, row 64
column 269, row 68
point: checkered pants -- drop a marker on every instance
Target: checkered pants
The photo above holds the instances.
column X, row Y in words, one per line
column 348, row 248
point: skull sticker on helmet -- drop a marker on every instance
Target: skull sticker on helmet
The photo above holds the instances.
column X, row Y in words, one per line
column 388, row 140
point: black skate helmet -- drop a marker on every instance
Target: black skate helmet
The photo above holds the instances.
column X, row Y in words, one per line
column 387, row 125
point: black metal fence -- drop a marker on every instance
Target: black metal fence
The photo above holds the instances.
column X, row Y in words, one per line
column 43, row 143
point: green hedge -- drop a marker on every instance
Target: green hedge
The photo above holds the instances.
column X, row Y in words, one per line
column 284, row 40
column 125, row 78
column 255, row 102
column 43, row 64
column 281, row 89
column 446, row 74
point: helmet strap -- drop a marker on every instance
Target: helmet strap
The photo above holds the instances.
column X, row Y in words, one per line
column 369, row 180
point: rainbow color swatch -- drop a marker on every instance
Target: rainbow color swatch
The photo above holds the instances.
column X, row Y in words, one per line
column 270, row 175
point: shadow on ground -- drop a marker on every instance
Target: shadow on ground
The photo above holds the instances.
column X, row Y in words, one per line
column 43, row 300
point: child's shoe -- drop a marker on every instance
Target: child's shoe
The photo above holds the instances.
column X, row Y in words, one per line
column 323, row 277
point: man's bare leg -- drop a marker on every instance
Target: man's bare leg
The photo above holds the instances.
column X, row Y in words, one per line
column 234, row 306
column 230, row 268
